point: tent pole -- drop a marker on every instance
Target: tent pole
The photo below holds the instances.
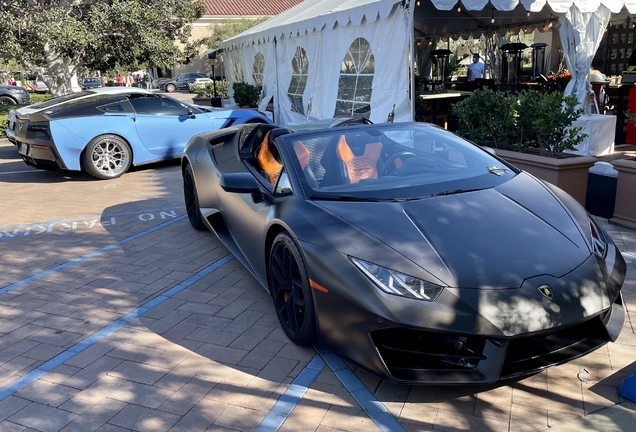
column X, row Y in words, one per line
column 276, row 94
column 412, row 58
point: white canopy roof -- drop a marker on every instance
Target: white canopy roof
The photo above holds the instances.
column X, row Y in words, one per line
column 558, row 6
column 316, row 15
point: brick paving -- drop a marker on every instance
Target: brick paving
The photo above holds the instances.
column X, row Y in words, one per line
column 212, row 357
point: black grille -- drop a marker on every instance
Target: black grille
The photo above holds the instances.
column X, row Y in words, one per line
column 403, row 350
column 527, row 354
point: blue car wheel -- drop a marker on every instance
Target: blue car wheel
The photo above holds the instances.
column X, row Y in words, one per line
column 107, row 157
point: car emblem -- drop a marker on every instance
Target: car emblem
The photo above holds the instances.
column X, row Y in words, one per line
column 546, row 291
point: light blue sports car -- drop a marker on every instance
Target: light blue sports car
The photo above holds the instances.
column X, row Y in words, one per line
column 106, row 131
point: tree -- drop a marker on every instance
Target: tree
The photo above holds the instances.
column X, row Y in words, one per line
column 228, row 28
column 67, row 36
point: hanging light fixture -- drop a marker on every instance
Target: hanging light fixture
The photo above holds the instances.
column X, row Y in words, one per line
column 459, row 7
column 528, row 14
column 492, row 16
column 417, row 3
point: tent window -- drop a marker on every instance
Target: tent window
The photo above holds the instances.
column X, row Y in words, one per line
column 259, row 68
column 300, row 68
column 356, row 81
column 237, row 70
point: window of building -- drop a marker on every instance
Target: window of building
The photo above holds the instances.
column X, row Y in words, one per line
column 356, row 81
column 300, row 68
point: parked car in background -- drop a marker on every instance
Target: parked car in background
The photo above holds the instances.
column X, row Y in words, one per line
column 14, row 95
column 41, row 87
column 106, row 131
column 90, row 83
column 180, row 82
column 198, row 81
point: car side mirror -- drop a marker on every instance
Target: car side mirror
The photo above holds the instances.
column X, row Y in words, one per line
column 242, row 183
column 190, row 113
column 489, row 150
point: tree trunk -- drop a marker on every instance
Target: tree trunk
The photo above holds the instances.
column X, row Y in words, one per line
column 60, row 70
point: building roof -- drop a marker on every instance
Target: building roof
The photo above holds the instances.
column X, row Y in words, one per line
column 247, row 7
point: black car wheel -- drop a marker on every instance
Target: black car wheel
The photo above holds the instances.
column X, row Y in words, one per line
column 107, row 157
column 170, row 88
column 7, row 100
column 191, row 200
column 289, row 286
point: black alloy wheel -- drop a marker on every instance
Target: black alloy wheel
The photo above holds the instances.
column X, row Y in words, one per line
column 289, row 286
column 191, row 200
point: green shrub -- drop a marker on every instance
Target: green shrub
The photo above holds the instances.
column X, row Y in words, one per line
column 527, row 119
column 4, row 115
column 246, row 94
column 35, row 98
column 487, row 116
column 207, row 90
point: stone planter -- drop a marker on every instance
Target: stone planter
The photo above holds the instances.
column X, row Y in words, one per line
column 202, row 101
column 569, row 174
column 625, row 206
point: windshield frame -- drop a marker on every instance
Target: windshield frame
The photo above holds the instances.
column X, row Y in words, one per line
column 383, row 195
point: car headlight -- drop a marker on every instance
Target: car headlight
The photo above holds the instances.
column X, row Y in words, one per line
column 599, row 239
column 17, row 90
column 396, row 283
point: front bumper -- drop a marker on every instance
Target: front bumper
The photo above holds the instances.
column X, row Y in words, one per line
column 467, row 336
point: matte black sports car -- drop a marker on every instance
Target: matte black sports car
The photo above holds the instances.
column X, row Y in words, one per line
column 408, row 250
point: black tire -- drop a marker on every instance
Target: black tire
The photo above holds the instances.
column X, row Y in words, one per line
column 170, row 88
column 289, row 286
column 107, row 157
column 192, row 200
column 7, row 100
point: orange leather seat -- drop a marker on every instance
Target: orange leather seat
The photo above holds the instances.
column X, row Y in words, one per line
column 268, row 163
column 302, row 153
column 360, row 167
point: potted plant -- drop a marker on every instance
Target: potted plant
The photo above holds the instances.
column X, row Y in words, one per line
column 625, row 204
column 246, row 95
column 209, row 93
column 531, row 130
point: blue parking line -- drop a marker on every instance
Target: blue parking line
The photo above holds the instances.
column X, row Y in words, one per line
column 100, row 251
column 375, row 409
column 294, row 393
column 56, row 361
column 81, row 218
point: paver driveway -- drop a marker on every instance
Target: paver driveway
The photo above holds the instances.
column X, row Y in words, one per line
column 116, row 315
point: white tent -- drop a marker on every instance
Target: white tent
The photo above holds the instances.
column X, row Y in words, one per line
column 326, row 58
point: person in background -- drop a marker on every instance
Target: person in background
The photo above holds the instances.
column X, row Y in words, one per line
column 148, row 80
column 119, row 80
column 140, row 80
column 476, row 69
column 129, row 80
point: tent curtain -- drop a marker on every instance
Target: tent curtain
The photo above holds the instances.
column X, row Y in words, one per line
column 581, row 34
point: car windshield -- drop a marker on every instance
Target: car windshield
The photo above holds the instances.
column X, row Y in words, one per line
column 91, row 81
column 60, row 99
column 391, row 162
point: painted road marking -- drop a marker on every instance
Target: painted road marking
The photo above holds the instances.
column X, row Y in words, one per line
column 45, row 368
column 84, row 223
column 629, row 255
column 375, row 409
column 294, row 393
column 100, row 251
